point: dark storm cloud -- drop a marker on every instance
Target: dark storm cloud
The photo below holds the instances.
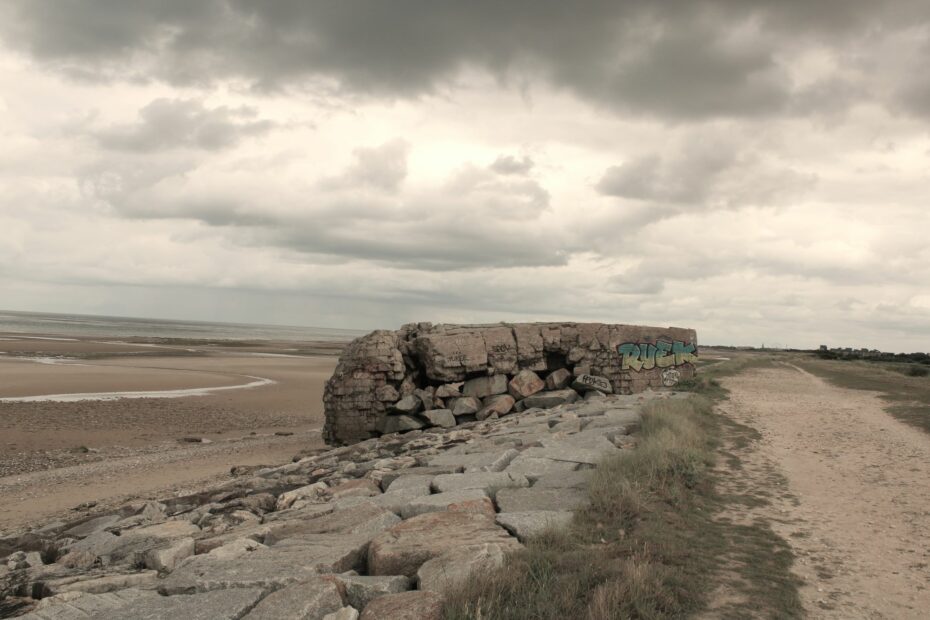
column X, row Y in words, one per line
column 177, row 123
column 673, row 59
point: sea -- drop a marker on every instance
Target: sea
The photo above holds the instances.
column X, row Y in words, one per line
column 80, row 325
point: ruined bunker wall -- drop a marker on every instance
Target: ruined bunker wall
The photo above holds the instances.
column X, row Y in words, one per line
column 377, row 370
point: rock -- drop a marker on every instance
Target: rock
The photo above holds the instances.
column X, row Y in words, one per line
column 354, row 488
column 387, row 394
column 449, row 390
column 489, row 482
column 408, row 405
column 346, row 613
column 400, row 424
column 402, row 549
column 587, row 383
column 272, row 568
column 235, row 549
column 451, row 569
column 405, row 606
column 535, row 467
column 532, row 499
column 78, row 559
column 558, row 379
column 496, row 405
column 360, row 591
column 308, row 600
column 391, row 476
column 547, row 400
column 562, row 480
column 525, row 383
column 466, row 500
column 91, row 525
column 594, row 396
column 526, row 524
column 482, row 387
column 144, row 580
column 440, row 417
column 467, row 405
column 166, row 558
column 147, row 605
column 419, row 482
column 365, row 519
column 311, row 494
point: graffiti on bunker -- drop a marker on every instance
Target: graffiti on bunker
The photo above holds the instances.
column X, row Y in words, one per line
column 662, row 354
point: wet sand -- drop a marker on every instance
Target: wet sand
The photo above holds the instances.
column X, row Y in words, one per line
column 44, row 445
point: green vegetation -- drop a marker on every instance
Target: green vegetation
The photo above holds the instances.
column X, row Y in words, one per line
column 904, row 387
column 651, row 544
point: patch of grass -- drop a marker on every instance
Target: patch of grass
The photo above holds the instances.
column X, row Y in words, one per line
column 647, row 545
column 907, row 395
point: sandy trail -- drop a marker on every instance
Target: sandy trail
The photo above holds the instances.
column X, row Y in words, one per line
column 859, row 518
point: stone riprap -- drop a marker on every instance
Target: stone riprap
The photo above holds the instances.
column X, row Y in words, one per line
column 381, row 528
column 391, row 381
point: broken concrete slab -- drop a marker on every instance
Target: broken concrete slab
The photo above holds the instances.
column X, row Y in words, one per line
column 307, row 600
column 405, row 606
column 527, row 524
column 526, row 500
column 402, row 549
column 450, row 570
column 463, row 500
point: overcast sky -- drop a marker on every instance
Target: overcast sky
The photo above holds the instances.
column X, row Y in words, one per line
column 755, row 170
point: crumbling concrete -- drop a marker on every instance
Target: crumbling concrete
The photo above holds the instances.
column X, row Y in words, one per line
column 389, row 381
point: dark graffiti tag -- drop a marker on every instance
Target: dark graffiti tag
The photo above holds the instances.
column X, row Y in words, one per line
column 662, row 354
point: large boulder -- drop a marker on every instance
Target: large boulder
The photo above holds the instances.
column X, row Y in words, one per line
column 402, row 549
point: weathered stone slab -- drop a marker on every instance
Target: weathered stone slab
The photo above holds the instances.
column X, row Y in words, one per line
column 402, row 549
column 399, row 424
column 488, row 482
column 572, row 454
column 547, row 400
column 270, row 568
column 524, row 525
column 536, row 467
column 465, row 500
column 405, row 606
column 419, row 482
column 482, row 387
column 361, row 590
column 308, row 600
column 451, row 569
column 166, row 558
column 532, row 499
column 579, row 479
column 146, row 605
column 440, row 417
column 92, row 525
column 499, row 405
column 364, row 519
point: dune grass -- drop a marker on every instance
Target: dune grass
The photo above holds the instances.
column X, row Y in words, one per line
column 632, row 553
column 651, row 543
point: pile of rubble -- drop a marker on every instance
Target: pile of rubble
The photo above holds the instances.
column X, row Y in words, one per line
column 426, row 375
column 379, row 529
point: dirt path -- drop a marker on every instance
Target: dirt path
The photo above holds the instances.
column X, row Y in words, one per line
column 858, row 513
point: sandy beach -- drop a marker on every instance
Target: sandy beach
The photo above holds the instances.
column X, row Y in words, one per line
column 87, row 420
